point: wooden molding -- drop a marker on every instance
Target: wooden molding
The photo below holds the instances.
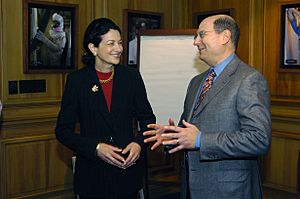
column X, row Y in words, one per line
column 285, row 101
column 32, row 112
column 289, row 135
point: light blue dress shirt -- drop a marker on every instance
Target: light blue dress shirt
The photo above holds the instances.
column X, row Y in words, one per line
column 218, row 70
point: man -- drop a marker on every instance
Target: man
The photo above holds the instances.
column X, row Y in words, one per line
column 226, row 122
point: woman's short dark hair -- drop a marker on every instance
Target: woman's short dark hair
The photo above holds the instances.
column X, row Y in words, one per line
column 93, row 34
column 227, row 23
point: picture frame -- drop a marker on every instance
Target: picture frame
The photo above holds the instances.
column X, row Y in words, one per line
column 50, row 39
column 199, row 16
column 290, row 38
column 134, row 22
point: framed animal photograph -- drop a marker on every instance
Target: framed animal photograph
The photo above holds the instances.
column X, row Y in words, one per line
column 49, row 37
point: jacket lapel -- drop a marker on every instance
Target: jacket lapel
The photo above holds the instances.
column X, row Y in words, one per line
column 220, row 83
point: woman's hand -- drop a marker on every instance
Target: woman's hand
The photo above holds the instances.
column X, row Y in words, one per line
column 134, row 150
column 111, row 155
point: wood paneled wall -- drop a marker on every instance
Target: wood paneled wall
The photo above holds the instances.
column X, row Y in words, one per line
column 281, row 163
column 34, row 164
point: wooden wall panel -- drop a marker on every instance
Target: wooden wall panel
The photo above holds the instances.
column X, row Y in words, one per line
column 271, row 42
column 286, row 118
column 100, row 8
column 256, row 34
column 282, row 163
column 285, row 85
column 115, row 11
column 204, row 5
column 282, row 159
column 60, row 165
column 35, row 166
column 182, row 15
column 26, row 167
column 166, row 7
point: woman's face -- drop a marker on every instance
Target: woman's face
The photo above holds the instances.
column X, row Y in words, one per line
column 109, row 51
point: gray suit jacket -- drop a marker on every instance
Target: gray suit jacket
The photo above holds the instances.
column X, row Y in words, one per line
column 234, row 119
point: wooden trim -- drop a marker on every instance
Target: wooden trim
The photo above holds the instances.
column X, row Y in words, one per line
column 30, row 111
column 288, row 135
column 287, row 101
column 256, row 34
column 285, row 112
column 279, row 187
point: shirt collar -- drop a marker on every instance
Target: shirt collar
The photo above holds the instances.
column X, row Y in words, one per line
column 221, row 66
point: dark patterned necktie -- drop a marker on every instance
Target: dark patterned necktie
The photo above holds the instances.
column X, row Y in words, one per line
column 206, row 86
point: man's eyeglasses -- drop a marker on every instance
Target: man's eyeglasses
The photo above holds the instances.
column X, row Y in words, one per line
column 202, row 34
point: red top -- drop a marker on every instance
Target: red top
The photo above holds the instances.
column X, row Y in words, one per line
column 106, row 87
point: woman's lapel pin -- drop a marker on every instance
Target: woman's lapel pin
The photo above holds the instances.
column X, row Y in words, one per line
column 95, row 88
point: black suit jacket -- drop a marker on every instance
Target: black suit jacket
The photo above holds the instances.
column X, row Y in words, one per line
column 83, row 102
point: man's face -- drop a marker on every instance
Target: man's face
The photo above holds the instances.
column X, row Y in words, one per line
column 208, row 42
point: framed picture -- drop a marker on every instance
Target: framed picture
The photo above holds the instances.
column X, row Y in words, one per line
column 49, row 37
column 135, row 21
column 290, row 43
column 199, row 16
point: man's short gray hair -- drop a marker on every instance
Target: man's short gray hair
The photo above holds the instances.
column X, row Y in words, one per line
column 227, row 23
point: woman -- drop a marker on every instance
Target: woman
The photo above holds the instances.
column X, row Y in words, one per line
column 104, row 98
